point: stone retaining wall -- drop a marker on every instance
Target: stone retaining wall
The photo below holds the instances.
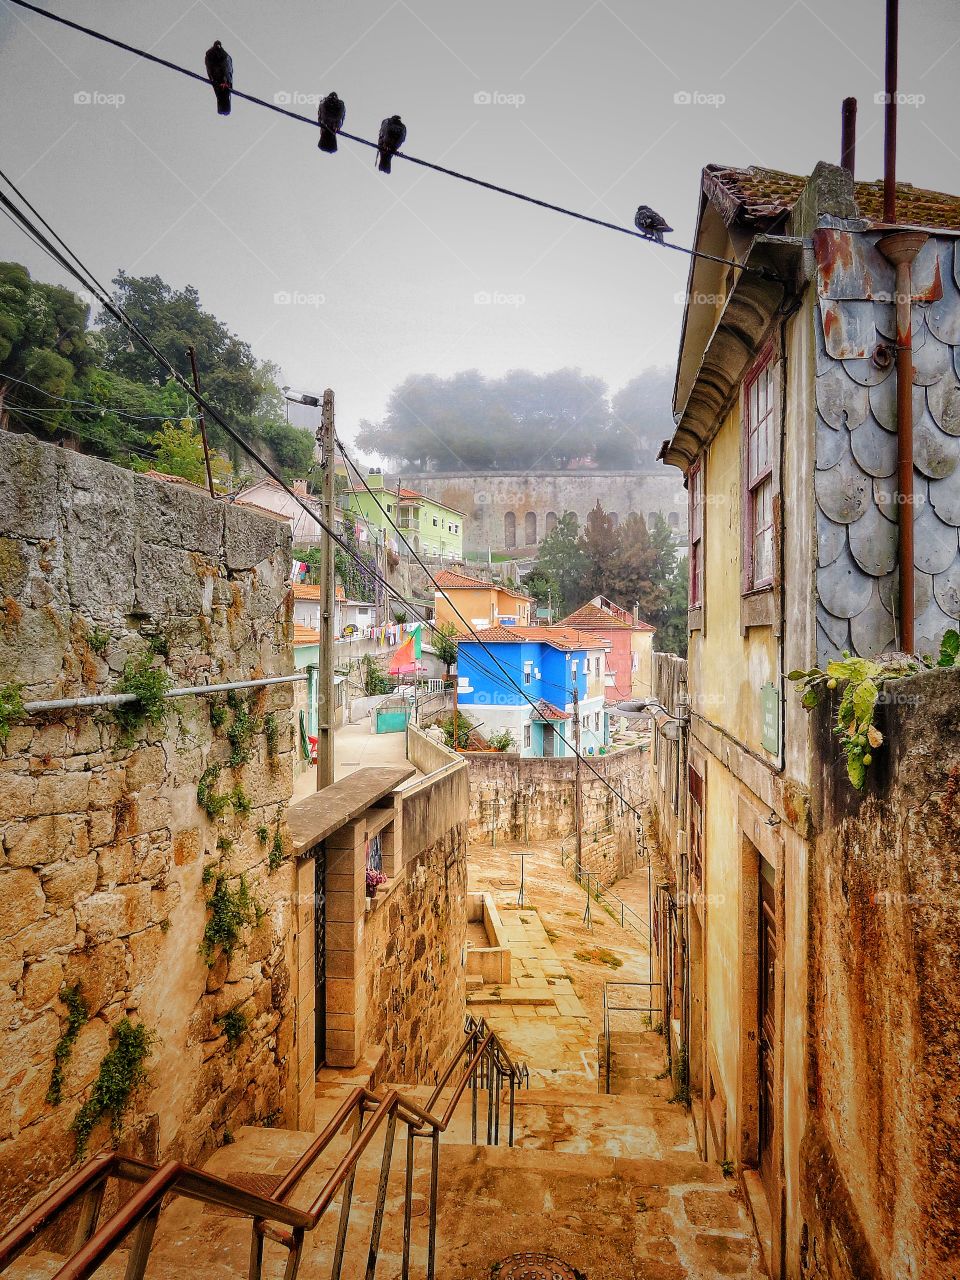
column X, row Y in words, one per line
column 107, row 859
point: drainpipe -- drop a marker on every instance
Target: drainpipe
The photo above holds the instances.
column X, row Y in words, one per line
column 890, row 113
column 901, row 248
column 119, row 699
column 848, row 135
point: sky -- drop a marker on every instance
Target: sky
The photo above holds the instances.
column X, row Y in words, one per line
column 348, row 278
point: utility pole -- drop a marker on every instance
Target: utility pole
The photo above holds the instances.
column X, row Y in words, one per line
column 191, row 352
column 325, row 702
column 578, row 783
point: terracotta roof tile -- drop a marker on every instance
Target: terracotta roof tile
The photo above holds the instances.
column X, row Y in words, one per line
column 543, row 710
column 446, row 578
column 593, row 617
column 563, row 638
column 758, row 197
column 305, row 635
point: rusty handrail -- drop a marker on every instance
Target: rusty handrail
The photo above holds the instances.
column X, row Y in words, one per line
column 94, row 1171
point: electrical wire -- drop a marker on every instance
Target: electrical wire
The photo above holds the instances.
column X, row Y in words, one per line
column 400, row 155
column 118, row 311
column 89, row 404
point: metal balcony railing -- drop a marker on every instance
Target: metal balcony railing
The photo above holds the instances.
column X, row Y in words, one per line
column 488, row 1065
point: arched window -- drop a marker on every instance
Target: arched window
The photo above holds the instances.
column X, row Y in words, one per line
column 509, row 529
column 530, row 528
column 614, row 518
column 633, row 514
column 551, row 522
column 652, row 519
column 673, row 520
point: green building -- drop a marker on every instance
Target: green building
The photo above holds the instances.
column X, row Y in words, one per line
column 430, row 528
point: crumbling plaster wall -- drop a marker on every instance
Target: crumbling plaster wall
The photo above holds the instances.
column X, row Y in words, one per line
column 104, row 846
column 880, row 1178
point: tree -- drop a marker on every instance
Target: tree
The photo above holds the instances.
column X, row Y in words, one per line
column 671, row 623
column 638, row 568
column 642, row 415
column 541, row 586
column 445, row 644
column 44, row 349
column 179, row 452
column 600, row 546
column 561, row 558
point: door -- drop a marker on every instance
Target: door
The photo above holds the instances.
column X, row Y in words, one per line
column 320, row 954
column 549, row 741
column 766, row 989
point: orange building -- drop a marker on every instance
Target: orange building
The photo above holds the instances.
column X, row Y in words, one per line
column 479, row 603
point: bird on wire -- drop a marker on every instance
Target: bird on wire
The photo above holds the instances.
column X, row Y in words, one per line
column 331, row 113
column 219, row 66
column 649, row 223
column 393, row 134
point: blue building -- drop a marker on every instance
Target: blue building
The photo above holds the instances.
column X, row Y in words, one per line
column 547, row 663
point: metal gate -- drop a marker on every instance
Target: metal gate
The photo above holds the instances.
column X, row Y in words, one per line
column 320, row 954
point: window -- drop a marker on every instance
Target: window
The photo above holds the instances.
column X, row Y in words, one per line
column 436, row 522
column 527, row 672
column 758, row 421
column 596, row 721
column 551, row 521
column 575, row 669
column 530, row 528
column 586, row 665
column 509, row 529
column 695, row 490
column 526, row 735
column 673, row 520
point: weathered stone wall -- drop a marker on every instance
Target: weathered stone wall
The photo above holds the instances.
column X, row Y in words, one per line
column 416, row 983
column 107, row 858
column 488, row 499
column 880, row 1178
column 529, row 798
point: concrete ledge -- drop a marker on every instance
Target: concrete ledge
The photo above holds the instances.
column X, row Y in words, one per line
column 491, row 963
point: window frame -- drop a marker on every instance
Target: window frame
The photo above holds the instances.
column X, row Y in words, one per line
column 527, row 735
column 697, row 562
column 759, row 469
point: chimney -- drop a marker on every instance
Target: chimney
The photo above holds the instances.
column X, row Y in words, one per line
column 300, row 488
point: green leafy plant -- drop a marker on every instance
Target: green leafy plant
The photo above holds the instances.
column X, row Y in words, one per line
column 263, row 833
column 77, row 1016
column 372, row 677
column 159, row 644
column 502, row 740
column 241, row 802
column 271, row 731
column 149, row 685
column 209, row 874
column 213, row 803
column 456, row 731
column 241, row 730
column 98, row 641
column 121, row 1071
column 681, row 1077
column 949, row 655
column 234, row 1025
column 728, row 1168
column 218, row 713
column 11, row 708
column 229, row 910
column 224, row 844
column 276, row 851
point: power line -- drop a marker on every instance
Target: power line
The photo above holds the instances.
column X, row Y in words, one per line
column 89, row 404
column 400, row 155
column 117, row 310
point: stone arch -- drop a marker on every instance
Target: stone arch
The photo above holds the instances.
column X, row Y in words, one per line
column 633, row 515
column 550, row 522
column 530, row 528
column 614, row 518
column 673, row 520
column 509, row 529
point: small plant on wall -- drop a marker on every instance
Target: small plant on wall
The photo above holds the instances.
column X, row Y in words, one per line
column 77, row 1017
column 11, row 709
column 234, row 1026
column 229, row 910
column 121, row 1071
column 149, row 684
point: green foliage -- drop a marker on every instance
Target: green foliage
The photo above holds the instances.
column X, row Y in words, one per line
column 229, row 910
column 400, row 616
column 11, row 709
column 681, row 1077
column 241, row 802
column 224, row 844
column 159, row 645
column 949, row 655
column 121, row 1071
column 263, row 834
column 502, row 740
column 456, row 731
column 276, row 851
column 149, row 684
column 728, row 1168
column 858, row 681
column 179, row 452
column 98, row 641
column 241, row 730
column 234, row 1025
column 77, row 1016
column 218, row 713
column 444, row 642
column 213, row 803
column 561, row 559
column 271, row 731
column 539, row 584
column 372, row 676
column 209, row 873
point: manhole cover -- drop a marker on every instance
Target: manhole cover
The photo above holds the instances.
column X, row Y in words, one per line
column 534, row 1266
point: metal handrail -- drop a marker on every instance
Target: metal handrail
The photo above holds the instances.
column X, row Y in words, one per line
column 649, row 1010
column 272, row 1216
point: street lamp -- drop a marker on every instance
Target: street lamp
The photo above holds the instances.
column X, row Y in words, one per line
column 669, row 725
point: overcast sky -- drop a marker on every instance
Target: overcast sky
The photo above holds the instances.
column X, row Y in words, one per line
column 571, row 102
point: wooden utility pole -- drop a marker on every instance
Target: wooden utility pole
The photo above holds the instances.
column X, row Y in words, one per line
column 191, row 352
column 326, row 709
column 578, row 783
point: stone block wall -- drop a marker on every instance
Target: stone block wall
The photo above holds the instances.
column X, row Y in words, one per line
column 879, row 1175
column 108, row 861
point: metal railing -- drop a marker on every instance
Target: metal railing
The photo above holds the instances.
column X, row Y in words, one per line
column 648, row 1010
column 595, row 892
column 488, row 1065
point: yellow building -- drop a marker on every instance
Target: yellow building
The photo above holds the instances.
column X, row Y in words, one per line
column 479, row 603
column 786, row 436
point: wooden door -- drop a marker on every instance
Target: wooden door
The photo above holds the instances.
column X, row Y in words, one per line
column 767, row 988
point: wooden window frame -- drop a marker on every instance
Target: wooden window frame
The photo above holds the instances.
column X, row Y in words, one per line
column 759, row 476
column 697, row 561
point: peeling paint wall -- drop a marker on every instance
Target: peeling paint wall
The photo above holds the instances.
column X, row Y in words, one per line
column 104, row 845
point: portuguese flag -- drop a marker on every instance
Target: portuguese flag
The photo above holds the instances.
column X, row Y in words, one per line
column 406, row 660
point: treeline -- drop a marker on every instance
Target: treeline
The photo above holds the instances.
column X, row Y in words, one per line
column 522, row 421
column 626, row 562
column 62, row 377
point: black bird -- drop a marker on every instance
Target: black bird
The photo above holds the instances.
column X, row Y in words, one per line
column 393, row 134
column 219, row 66
column 331, row 114
column 649, row 222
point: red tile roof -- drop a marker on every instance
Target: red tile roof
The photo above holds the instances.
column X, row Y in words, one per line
column 447, row 578
column 543, row 710
column 592, row 617
column 305, row 635
column 557, row 637
column 757, row 197
column 411, row 495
